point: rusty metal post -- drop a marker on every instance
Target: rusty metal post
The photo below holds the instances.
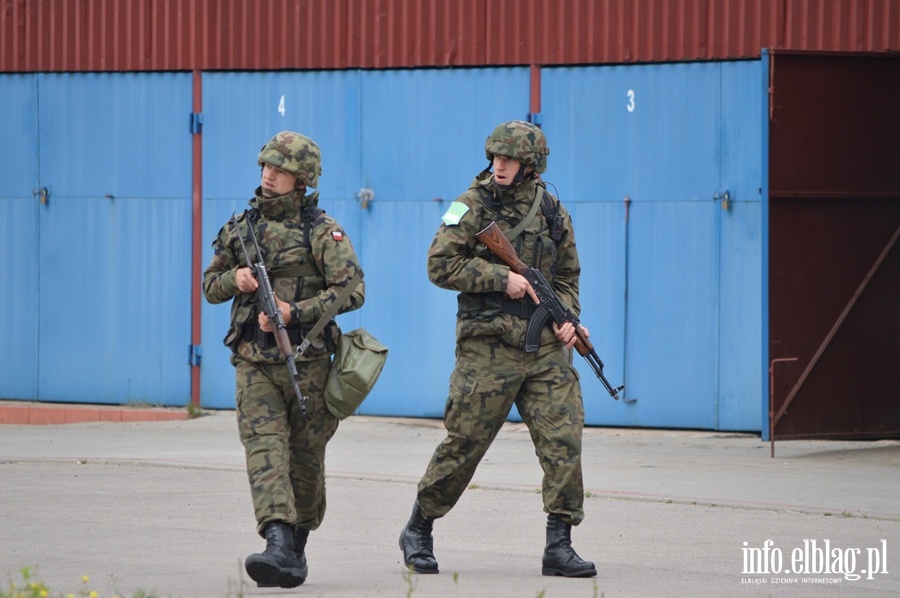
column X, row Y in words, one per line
column 196, row 234
column 772, row 402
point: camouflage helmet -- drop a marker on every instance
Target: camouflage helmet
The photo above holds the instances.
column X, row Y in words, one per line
column 520, row 141
column 294, row 153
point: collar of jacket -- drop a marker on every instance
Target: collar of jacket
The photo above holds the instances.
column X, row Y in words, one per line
column 283, row 206
column 524, row 190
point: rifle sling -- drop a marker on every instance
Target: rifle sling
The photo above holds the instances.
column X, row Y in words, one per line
column 516, row 230
column 331, row 311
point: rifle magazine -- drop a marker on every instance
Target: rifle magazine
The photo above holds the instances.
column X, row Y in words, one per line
column 535, row 326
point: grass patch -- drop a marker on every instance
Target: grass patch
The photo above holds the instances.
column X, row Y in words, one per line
column 32, row 587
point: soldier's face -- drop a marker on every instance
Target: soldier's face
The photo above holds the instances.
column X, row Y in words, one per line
column 277, row 182
column 505, row 169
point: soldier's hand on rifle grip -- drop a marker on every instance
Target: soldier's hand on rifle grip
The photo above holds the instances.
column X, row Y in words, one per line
column 266, row 324
column 245, row 281
column 566, row 333
column 517, row 286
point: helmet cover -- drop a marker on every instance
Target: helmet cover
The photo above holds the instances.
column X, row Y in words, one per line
column 519, row 140
column 294, row 153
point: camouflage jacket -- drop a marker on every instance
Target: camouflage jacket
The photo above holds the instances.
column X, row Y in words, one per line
column 458, row 262
column 309, row 278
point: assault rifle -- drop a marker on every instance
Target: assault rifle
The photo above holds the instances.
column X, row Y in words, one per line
column 549, row 305
column 266, row 296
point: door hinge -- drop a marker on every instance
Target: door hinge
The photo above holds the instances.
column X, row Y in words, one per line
column 196, row 123
column 196, row 352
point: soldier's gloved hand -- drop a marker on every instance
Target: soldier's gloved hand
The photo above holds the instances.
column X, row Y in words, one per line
column 266, row 324
column 245, row 281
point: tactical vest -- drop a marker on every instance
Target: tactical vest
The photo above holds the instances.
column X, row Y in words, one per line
column 293, row 281
column 536, row 245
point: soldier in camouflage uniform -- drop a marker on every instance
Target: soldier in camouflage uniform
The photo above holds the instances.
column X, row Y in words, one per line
column 493, row 371
column 309, row 259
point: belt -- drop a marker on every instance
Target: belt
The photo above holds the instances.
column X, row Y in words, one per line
column 521, row 308
column 266, row 340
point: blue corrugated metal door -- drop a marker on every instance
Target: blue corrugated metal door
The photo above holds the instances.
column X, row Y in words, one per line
column 19, row 210
column 114, row 238
column 643, row 156
column 397, row 135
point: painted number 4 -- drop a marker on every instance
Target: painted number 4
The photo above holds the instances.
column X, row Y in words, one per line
column 281, row 106
column 630, row 104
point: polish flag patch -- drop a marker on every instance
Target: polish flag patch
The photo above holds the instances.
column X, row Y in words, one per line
column 337, row 235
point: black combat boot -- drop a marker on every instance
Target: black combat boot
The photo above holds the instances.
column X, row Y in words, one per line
column 278, row 566
column 559, row 557
column 417, row 544
column 300, row 535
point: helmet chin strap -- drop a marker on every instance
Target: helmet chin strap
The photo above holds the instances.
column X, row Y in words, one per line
column 520, row 178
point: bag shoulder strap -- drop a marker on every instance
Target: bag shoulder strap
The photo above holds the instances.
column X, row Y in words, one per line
column 331, row 311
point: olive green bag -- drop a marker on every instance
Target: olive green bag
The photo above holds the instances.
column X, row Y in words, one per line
column 357, row 363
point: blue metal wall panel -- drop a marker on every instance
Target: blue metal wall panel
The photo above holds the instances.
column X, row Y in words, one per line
column 242, row 111
column 124, row 135
column 740, row 317
column 673, row 314
column 131, row 330
column 740, row 138
column 648, row 132
column 740, row 270
column 423, row 131
column 116, row 150
column 18, row 126
column 19, row 230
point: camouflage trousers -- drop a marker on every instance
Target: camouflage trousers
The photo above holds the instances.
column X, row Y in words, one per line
column 285, row 450
column 488, row 379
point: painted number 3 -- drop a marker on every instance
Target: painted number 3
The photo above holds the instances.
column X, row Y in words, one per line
column 281, row 106
column 630, row 104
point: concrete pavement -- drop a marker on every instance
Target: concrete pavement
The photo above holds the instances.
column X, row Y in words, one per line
column 163, row 507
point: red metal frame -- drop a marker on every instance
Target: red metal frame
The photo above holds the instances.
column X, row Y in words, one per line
column 772, row 418
column 197, row 234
